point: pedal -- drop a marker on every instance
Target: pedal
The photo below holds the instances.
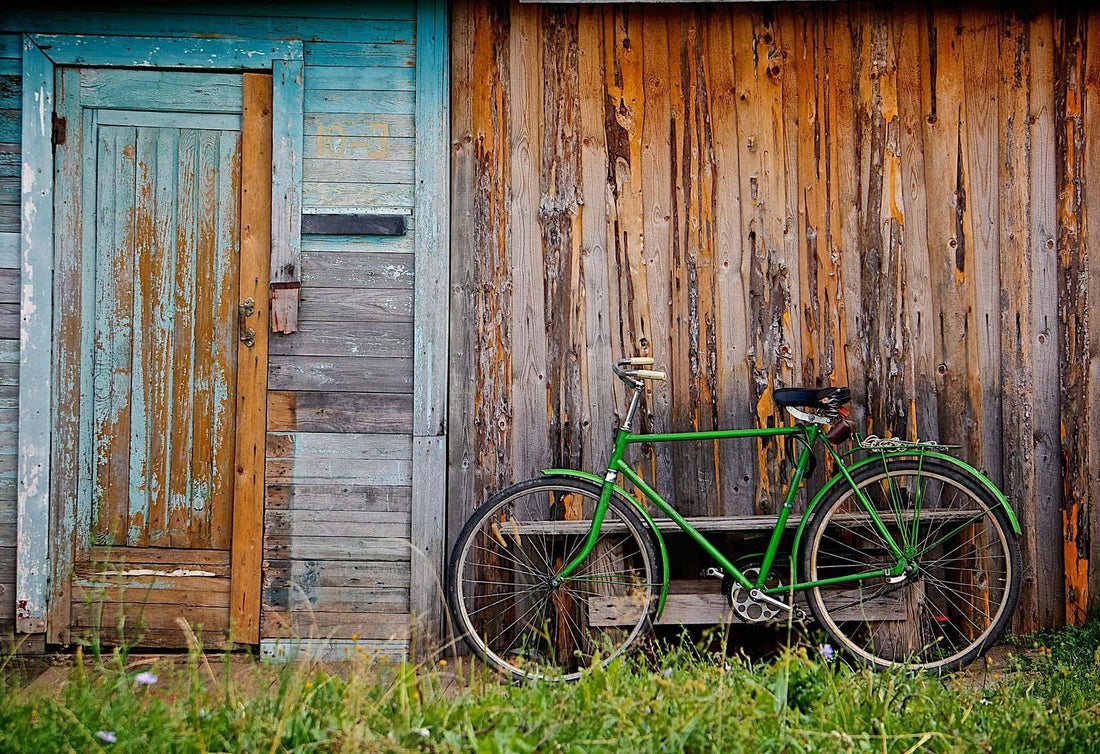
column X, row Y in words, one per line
column 712, row 573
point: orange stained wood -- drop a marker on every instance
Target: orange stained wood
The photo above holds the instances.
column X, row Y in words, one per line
column 251, row 411
column 812, row 194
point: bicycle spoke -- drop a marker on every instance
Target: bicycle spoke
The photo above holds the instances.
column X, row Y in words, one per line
column 959, row 587
column 507, row 606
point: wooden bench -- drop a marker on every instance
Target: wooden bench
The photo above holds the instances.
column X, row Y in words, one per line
column 697, row 602
column 700, row 601
column 722, row 524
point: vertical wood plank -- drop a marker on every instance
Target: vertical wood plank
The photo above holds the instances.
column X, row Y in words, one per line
column 843, row 164
column 560, row 231
column 202, row 416
column 246, row 548
column 286, row 192
column 432, row 319
column 737, row 469
column 432, row 221
column 760, row 143
column 163, row 414
column 528, row 378
column 1015, row 246
column 486, row 459
column 69, row 283
column 980, row 58
column 465, row 287
column 112, row 354
column 183, row 355
column 146, row 380
column 908, row 28
column 598, row 396
column 657, row 226
column 225, row 343
column 1091, row 242
column 948, row 234
column 1073, row 302
column 35, row 342
column 1046, row 344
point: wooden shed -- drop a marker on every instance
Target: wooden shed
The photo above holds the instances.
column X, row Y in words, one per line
column 177, row 448
column 288, row 289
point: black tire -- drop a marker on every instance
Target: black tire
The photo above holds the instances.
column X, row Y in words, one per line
column 509, row 552
column 956, row 600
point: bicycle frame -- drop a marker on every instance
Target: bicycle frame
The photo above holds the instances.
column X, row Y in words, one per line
column 811, row 433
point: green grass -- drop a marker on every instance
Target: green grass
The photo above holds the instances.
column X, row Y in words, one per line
column 682, row 699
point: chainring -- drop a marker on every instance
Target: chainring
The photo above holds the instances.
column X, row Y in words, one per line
column 748, row 609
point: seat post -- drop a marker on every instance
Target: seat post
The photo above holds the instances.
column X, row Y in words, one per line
column 628, row 421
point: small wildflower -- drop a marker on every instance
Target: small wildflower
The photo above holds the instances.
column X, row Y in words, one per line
column 422, row 732
column 355, row 637
column 309, row 685
column 827, row 651
column 145, row 679
column 443, row 663
column 667, row 673
column 106, row 736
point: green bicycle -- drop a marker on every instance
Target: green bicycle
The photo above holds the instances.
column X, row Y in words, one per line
column 906, row 556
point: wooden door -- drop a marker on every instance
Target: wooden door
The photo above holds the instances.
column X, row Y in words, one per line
column 152, row 322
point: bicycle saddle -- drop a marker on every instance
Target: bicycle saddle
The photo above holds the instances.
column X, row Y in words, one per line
column 828, row 397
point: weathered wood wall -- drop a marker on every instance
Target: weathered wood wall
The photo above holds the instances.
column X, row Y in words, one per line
column 340, row 403
column 759, row 196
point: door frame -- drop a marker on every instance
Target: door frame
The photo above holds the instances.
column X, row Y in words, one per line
column 37, row 532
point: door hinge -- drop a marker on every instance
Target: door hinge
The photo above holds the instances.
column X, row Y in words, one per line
column 60, row 127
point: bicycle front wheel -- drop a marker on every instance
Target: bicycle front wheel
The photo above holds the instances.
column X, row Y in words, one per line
column 963, row 580
column 508, row 603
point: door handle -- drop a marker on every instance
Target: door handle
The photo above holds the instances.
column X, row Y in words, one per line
column 245, row 310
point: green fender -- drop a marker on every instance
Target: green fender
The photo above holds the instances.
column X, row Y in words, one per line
column 878, row 458
column 599, row 481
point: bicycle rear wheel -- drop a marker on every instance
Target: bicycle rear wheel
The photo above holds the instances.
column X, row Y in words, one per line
column 963, row 582
column 507, row 602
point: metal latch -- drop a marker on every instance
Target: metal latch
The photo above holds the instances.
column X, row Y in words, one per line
column 59, row 130
column 245, row 310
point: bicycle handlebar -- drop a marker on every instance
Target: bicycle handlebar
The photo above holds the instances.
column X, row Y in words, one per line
column 633, row 375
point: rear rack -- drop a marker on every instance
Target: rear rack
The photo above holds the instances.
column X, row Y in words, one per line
column 874, row 443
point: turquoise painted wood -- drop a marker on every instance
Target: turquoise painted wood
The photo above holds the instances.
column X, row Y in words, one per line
column 165, row 246
column 30, row 225
column 35, row 375
column 360, row 78
column 175, row 91
column 357, row 88
column 431, row 304
column 129, row 23
column 159, row 52
column 286, row 193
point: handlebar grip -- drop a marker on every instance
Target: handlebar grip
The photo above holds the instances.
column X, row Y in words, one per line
column 640, row 361
column 648, row 374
